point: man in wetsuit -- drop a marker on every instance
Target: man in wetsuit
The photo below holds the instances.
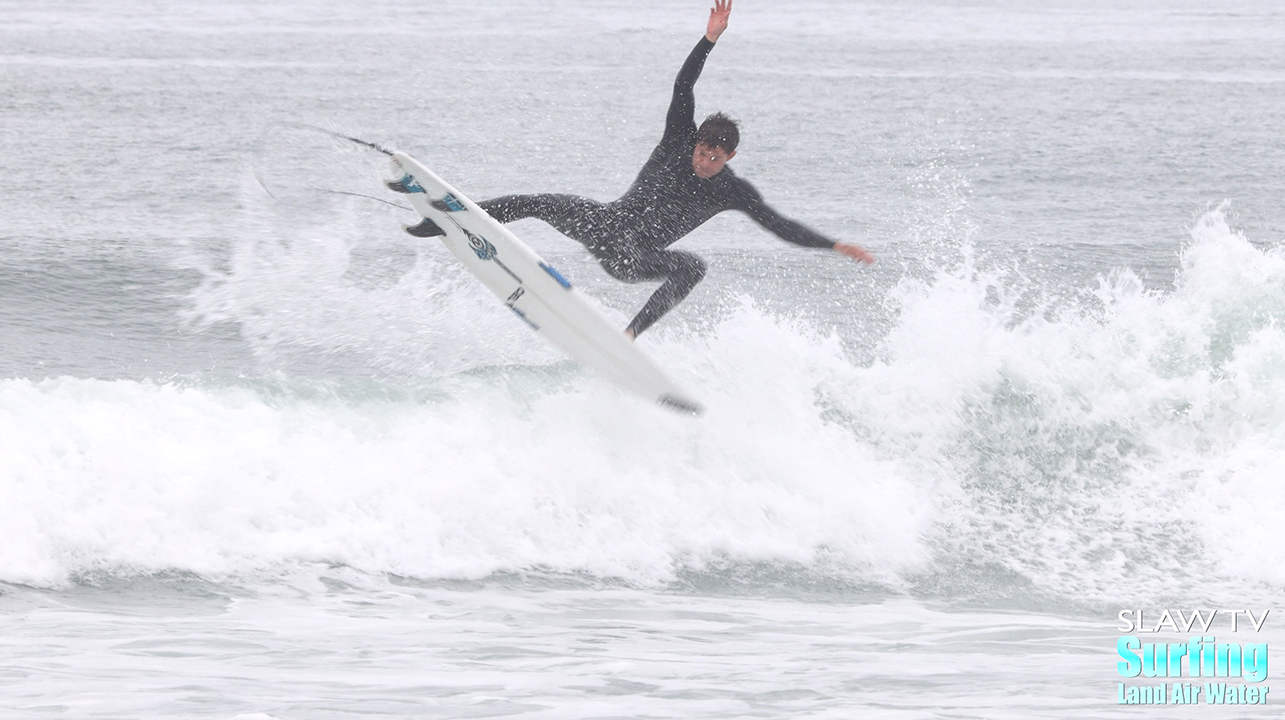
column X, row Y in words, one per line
column 683, row 184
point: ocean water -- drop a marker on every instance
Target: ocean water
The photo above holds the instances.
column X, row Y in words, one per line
column 263, row 456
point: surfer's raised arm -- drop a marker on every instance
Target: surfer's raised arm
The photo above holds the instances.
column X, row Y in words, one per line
column 682, row 108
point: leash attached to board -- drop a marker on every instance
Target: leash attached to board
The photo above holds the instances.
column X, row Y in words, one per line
column 258, row 174
column 341, row 136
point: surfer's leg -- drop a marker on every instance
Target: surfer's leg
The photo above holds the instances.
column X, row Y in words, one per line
column 681, row 271
column 579, row 218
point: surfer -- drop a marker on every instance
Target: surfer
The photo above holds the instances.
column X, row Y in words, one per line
column 684, row 183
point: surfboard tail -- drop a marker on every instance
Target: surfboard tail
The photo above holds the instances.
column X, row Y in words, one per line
column 681, row 404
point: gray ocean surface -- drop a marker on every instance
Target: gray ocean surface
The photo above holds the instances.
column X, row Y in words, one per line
column 264, row 456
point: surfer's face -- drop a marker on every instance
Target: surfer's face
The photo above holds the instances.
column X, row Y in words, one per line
column 708, row 161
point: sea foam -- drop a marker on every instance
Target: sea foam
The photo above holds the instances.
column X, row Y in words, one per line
column 1122, row 445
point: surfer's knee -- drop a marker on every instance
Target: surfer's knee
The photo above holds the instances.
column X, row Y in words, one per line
column 699, row 269
column 691, row 271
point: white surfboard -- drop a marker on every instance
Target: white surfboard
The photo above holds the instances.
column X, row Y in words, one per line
column 532, row 288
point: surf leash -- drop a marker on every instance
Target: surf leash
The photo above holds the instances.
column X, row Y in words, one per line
column 360, row 195
column 341, row 136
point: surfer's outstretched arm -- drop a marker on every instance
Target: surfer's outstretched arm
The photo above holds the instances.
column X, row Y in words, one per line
column 792, row 231
column 680, row 120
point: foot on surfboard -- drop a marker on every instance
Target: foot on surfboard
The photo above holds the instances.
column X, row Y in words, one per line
column 425, row 229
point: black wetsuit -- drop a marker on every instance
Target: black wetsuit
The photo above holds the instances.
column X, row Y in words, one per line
column 629, row 236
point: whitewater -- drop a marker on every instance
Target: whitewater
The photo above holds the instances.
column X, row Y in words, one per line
column 264, row 456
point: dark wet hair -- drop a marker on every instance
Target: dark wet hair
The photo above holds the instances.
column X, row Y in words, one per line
column 719, row 131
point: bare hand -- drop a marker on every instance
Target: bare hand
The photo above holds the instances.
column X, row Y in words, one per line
column 854, row 251
column 718, row 19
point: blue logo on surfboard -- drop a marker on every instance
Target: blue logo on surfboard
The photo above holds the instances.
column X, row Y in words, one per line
column 556, row 275
column 525, row 319
column 481, row 246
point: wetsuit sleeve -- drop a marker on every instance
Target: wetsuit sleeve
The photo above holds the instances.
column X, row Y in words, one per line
column 682, row 108
column 751, row 203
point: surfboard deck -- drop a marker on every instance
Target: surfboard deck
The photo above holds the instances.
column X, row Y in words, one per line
column 532, row 288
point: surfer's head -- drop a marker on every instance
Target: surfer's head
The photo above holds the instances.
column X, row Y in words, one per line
column 716, row 141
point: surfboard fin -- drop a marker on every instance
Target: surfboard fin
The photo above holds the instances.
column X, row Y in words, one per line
column 405, row 185
column 426, row 229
